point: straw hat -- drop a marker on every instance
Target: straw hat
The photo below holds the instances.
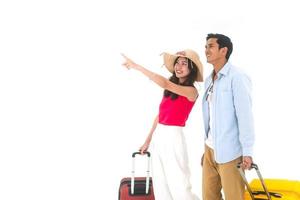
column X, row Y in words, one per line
column 169, row 60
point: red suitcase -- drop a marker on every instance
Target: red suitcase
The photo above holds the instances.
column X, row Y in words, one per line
column 137, row 188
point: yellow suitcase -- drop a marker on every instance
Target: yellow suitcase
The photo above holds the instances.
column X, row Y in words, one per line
column 270, row 189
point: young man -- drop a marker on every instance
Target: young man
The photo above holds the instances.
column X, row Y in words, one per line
column 228, row 122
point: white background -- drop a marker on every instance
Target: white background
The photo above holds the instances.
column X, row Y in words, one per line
column 71, row 115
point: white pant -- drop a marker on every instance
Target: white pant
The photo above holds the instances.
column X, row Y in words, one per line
column 171, row 172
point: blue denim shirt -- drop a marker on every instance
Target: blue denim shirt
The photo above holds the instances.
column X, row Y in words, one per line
column 232, row 118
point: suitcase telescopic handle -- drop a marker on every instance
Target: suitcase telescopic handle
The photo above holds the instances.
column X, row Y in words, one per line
column 139, row 153
column 133, row 171
column 253, row 166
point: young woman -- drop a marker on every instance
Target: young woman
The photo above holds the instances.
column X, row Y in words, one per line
column 169, row 154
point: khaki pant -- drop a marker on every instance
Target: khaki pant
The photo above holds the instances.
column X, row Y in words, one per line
column 217, row 176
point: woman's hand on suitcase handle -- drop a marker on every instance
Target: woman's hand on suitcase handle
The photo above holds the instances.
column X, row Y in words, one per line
column 144, row 147
column 247, row 162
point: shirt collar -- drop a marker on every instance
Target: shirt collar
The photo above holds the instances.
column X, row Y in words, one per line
column 225, row 69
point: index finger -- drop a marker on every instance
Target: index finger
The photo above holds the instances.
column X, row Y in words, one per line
column 124, row 56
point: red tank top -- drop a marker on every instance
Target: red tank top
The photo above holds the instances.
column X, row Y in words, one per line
column 174, row 112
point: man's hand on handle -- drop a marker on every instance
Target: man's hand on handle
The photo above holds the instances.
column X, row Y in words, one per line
column 246, row 163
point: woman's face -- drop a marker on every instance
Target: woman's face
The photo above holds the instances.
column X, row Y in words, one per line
column 181, row 68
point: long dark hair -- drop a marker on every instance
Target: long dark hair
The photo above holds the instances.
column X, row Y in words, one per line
column 190, row 80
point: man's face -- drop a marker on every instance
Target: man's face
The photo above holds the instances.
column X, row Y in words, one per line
column 212, row 51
